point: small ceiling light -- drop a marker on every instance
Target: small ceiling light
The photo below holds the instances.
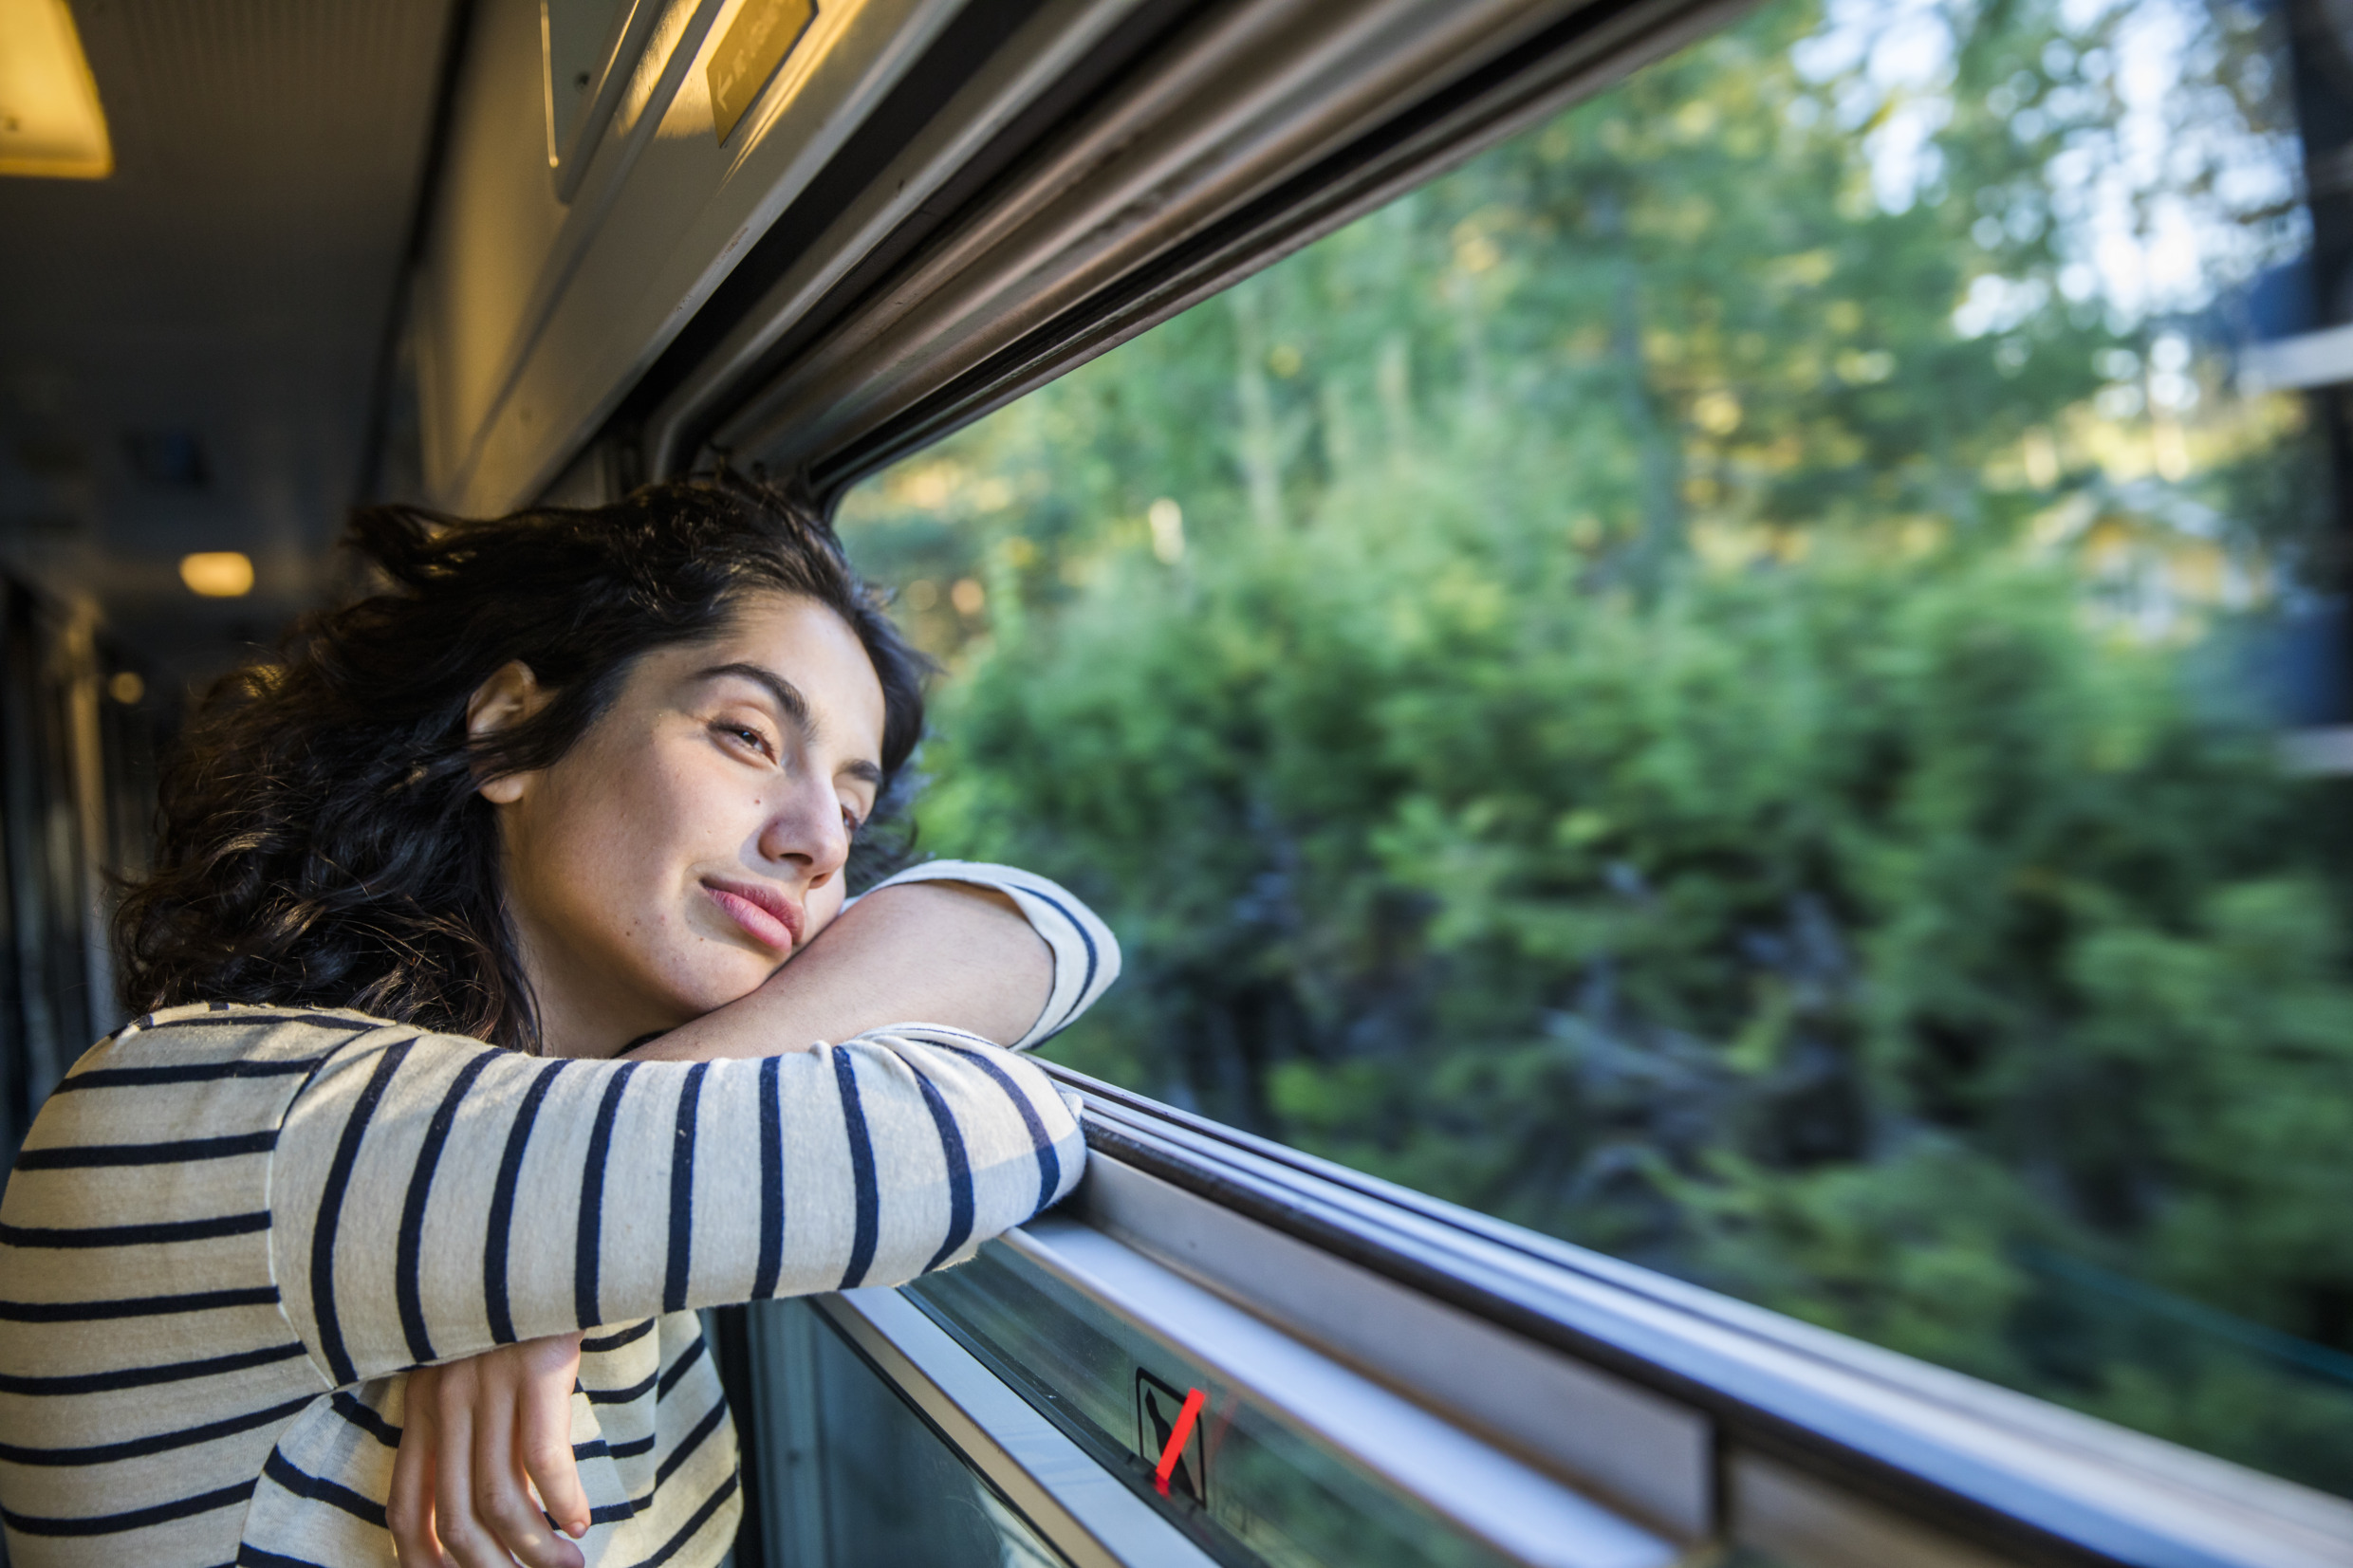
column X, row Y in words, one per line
column 126, row 687
column 50, row 121
column 217, row 574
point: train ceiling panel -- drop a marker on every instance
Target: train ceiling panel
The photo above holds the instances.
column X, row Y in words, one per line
column 190, row 347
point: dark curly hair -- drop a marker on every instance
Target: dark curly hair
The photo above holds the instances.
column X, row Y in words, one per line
column 321, row 842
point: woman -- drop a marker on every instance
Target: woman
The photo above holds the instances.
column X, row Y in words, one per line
column 468, row 1028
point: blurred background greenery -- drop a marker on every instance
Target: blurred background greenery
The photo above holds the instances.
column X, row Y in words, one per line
column 1710, row 684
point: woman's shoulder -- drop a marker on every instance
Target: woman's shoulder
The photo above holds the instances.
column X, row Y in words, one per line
column 224, row 1020
column 219, row 1073
column 204, row 1041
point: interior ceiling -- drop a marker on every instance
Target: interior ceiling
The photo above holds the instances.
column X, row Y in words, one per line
column 189, row 350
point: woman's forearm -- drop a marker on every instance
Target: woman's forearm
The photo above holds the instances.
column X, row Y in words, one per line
column 935, row 953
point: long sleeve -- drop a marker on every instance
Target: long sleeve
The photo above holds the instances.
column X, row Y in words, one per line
column 1086, row 956
column 432, row 1197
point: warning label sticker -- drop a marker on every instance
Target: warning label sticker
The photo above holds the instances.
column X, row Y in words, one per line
column 1168, row 1434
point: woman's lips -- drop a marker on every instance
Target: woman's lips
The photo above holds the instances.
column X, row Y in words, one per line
column 765, row 914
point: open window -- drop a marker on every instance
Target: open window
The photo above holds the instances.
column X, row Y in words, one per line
column 1910, row 359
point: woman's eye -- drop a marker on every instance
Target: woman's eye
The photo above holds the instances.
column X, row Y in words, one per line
column 746, row 734
column 849, row 822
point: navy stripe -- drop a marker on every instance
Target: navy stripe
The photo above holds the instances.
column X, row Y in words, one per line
column 686, row 1532
column 960, row 1171
column 502, row 1208
column 1085, row 986
column 135, row 1519
column 409, row 1261
column 622, row 1337
column 162, row 1233
column 331, row 1212
column 189, row 1072
column 681, row 1261
column 264, row 1016
column 315, row 1488
column 869, row 1198
column 602, row 1450
column 141, row 1448
column 622, row 1396
column 141, row 1377
column 368, row 1421
column 677, row 1369
column 692, row 1440
column 584, row 1258
column 254, row 1557
column 771, row 1184
column 1049, row 1162
column 178, row 1152
column 617, row 1513
column 135, row 1306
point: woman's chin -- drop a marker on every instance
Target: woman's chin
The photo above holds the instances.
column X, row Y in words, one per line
column 714, row 986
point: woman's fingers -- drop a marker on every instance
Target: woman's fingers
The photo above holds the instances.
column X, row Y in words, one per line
column 408, row 1510
column 458, row 1398
column 479, row 1435
column 543, row 1430
column 502, row 1499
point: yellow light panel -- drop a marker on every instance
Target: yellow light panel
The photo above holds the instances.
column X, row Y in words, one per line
column 50, row 122
column 217, row 574
column 757, row 41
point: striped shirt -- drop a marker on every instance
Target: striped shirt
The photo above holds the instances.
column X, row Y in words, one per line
column 232, row 1228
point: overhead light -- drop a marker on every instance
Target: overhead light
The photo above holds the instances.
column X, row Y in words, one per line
column 50, row 122
column 217, row 574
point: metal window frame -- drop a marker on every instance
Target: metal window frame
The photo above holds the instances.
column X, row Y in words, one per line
column 1484, row 1492
column 1812, row 1439
column 1557, row 1404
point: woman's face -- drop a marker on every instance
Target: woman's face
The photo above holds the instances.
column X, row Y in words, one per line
column 694, row 837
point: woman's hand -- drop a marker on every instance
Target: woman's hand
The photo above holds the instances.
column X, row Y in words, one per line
column 476, row 1435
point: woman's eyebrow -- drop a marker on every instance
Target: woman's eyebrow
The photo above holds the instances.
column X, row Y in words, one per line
column 794, row 706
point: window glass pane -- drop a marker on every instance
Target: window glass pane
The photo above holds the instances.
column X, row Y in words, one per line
column 1741, row 681
column 854, row 1477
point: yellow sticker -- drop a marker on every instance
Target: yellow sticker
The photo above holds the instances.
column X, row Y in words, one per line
column 763, row 34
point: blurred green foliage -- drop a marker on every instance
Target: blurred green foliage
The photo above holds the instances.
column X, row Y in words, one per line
column 1609, row 692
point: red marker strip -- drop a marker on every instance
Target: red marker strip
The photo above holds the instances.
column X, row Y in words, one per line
column 1183, row 1430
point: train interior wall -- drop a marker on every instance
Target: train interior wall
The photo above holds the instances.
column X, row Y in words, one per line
column 77, row 764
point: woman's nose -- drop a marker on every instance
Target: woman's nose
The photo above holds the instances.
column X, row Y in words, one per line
column 807, row 828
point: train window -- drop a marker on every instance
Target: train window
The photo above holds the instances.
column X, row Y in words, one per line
column 1753, row 680
column 1700, row 647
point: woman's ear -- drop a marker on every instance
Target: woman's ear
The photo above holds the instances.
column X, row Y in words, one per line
column 511, row 695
